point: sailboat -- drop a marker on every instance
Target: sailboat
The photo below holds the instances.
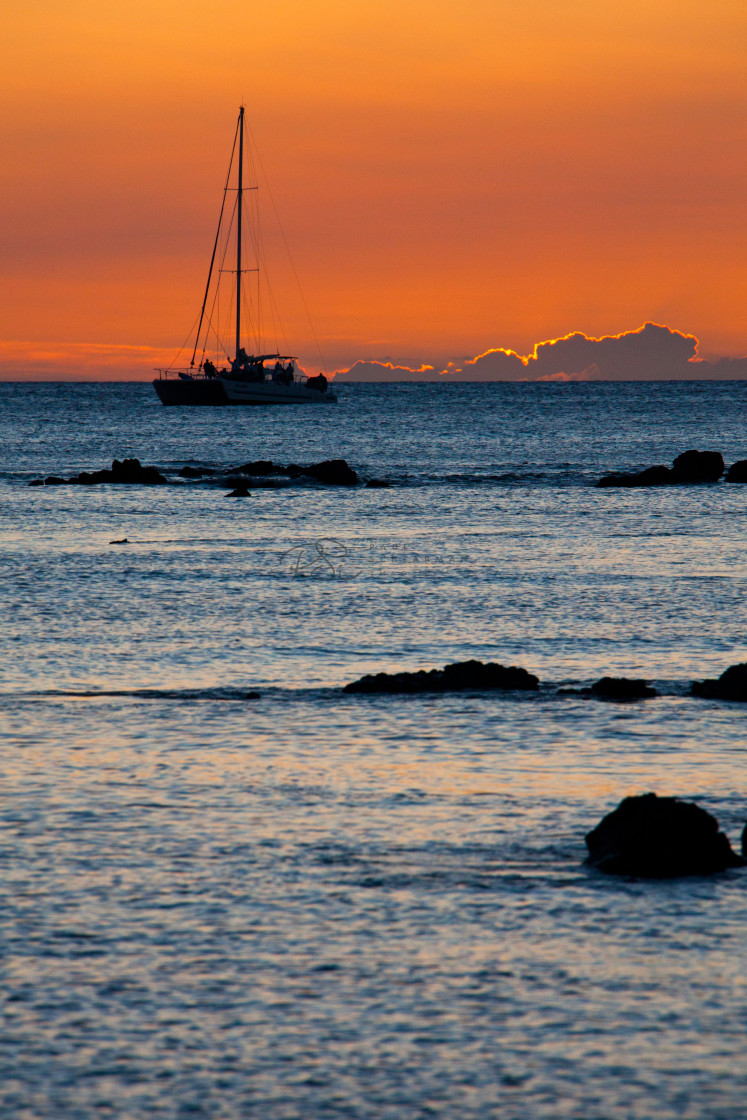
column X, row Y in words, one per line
column 250, row 378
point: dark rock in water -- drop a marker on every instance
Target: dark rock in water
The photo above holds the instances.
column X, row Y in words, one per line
column 239, row 492
column 659, row 838
column 737, row 472
column 689, row 467
column 128, row 472
column 651, row 476
column 123, row 541
column 195, row 472
column 731, row 685
column 622, row 688
column 260, row 468
column 462, row 676
column 332, row 472
column 744, row 842
column 51, row 480
column 698, row 466
column 377, row 484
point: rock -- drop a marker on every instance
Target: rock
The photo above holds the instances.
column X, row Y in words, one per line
column 195, row 472
column 651, row 476
column 377, row 484
column 622, row 688
column 731, row 685
column 123, row 541
column 129, row 472
column 689, row 467
column 659, row 838
column 737, row 472
column 460, row 677
column 333, row 472
column 51, row 480
column 698, row 466
column 239, row 492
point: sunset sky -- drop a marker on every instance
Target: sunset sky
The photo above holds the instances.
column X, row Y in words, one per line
column 451, row 178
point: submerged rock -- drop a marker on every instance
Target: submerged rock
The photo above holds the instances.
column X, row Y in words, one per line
column 659, row 838
column 462, row 676
column 691, row 467
column 731, row 685
column 239, row 492
column 622, row 688
column 123, row 541
column 377, row 484
column 651, row 476
column 260, row 467
column 196, row 472
column 737, row 472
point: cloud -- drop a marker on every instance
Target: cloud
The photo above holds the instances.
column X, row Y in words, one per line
column 653, row 352
column 368, row 369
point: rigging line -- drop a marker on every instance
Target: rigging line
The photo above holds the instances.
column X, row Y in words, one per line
column 211, row 316
column 287, row 249
column 215, row 244
column 183, row 347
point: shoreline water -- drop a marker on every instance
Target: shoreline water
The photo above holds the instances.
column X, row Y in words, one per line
column 327, row 905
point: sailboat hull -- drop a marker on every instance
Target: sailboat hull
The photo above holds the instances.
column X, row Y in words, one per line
column 273, row 392
column 189, row 392
column 225, row 391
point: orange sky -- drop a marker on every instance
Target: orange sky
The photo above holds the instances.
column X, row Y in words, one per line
column 451, row 177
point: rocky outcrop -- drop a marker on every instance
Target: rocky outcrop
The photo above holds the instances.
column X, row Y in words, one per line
column 463, row 676
column 378, row 484
column 332, row 472
column 737, row 472
column 622, row 689
column 654, row 837
column 698, row 466
column 239, row 492
column 128, row 472
column 731, row 685
column 689, row 468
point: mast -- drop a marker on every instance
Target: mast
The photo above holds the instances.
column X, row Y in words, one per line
column 238, row 230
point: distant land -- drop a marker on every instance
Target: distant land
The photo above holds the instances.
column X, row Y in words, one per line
column 653, row 352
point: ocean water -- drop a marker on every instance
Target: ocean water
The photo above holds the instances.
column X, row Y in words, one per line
column 315, row 905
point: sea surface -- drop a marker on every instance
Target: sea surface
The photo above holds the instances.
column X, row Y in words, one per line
column 307, row 904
